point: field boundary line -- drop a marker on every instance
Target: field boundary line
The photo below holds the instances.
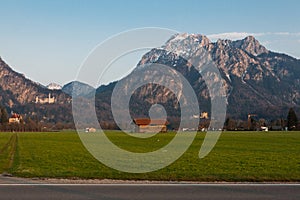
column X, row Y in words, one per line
column 11, row 154
column 6, row 144
column 13, row 151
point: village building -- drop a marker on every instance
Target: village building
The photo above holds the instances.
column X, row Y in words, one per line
column 145, row 125
column 204, row 115
column 90, row 130
column 15, row 118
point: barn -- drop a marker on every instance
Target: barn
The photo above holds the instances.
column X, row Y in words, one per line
column 146, row 125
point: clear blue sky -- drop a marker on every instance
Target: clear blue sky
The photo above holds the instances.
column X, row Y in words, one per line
column 48, row 40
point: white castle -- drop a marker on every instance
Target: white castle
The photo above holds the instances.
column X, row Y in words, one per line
column 45, row 100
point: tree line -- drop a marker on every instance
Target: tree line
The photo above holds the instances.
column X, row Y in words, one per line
column 32, row 123
column 29, row 124
column 291, row 123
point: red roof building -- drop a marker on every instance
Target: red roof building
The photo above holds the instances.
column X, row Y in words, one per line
column 144, row 125
column 15, row 118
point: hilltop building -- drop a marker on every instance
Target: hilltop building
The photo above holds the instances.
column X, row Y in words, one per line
column 45, row 100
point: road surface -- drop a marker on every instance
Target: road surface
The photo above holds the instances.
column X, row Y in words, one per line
column 15, row 188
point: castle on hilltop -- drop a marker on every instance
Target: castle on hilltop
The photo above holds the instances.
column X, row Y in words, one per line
column 49, row 99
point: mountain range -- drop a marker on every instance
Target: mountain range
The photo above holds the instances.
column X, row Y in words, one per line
column 257, row 81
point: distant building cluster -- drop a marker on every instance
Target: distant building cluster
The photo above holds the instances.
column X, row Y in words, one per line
column 49, row 100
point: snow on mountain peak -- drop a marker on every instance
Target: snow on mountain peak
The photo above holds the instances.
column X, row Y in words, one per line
column 185, row 44
column 54, row 86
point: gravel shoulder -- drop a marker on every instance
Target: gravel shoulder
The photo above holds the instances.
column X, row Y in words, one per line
column 7, row 179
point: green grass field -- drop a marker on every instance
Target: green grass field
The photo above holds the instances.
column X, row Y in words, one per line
column 7, row 150
column 238, row 156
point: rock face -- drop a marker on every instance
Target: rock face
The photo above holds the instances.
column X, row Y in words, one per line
column 256, row 80
column 250, row 45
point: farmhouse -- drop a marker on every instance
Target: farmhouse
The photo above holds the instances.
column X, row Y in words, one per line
column 90, row 130
column 144, row 125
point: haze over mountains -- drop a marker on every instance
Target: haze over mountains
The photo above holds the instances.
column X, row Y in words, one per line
column 256, row 80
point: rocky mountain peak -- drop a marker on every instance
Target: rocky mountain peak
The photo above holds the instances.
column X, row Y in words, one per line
column 222, row 44
column 184, row 44
column 256, row 80
column 201, row 39
column 250, row 45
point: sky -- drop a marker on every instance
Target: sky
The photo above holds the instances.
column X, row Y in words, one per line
column 48, row 41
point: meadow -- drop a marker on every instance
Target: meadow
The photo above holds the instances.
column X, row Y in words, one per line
column 238, row 156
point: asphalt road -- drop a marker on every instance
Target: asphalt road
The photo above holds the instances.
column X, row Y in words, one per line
column 22, row 188
column 150, row 191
